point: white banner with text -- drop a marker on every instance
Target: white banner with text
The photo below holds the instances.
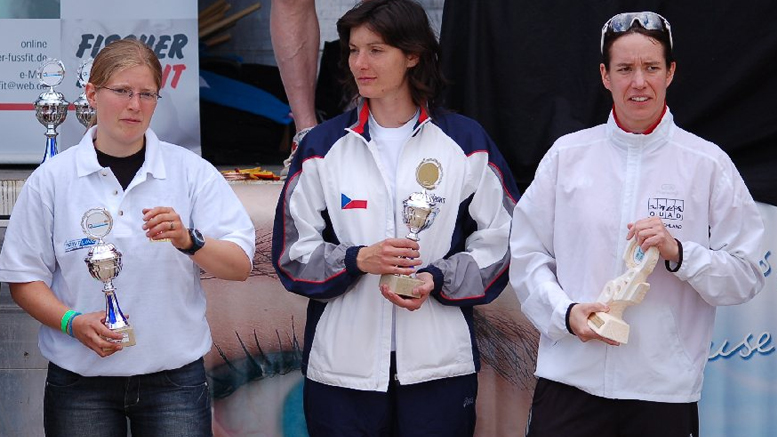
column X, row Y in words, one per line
column 75, row 30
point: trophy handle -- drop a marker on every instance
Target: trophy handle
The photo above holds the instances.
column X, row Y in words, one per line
column 430, row 218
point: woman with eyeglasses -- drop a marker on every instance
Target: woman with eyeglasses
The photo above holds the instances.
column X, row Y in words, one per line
column 172, row 215
column 638, row 175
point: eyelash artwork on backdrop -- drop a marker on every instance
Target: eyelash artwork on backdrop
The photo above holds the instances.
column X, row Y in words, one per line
column 258, row 327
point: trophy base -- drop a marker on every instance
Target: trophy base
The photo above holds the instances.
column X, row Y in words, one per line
column 609, row 326
column 128, row 336
column 401, row 284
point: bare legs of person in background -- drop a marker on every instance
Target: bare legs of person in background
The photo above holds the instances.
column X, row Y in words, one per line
column 295, row 40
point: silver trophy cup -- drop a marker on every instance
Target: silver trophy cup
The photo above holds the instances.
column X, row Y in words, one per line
column 104, row 263
column 51, row 106
column 418, row 213
column 84, row 111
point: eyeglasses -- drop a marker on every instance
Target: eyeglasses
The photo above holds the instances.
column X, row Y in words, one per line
column 127, row 94
column 648, row 20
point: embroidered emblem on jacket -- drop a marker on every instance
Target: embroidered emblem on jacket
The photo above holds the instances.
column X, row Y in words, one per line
column 666, row 208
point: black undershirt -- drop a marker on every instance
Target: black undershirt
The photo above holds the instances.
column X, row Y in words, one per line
column 124, row 168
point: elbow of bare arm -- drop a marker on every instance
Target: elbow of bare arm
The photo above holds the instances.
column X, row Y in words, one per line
column 239, row 271
column 245, row 272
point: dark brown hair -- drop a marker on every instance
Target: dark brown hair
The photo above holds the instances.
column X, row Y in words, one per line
column 402, row 24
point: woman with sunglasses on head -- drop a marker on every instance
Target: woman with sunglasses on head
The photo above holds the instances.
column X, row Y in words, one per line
column 172, row 214
column 376, row 363
column 639, row 175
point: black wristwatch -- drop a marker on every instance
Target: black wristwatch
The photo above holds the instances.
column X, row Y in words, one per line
column 197, row 242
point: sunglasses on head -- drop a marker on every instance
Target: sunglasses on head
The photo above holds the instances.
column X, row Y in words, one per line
column 648, row 20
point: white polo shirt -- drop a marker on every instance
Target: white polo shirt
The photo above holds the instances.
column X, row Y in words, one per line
column 159, row 287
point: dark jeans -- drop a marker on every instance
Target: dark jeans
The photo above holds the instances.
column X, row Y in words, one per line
column 170, row 403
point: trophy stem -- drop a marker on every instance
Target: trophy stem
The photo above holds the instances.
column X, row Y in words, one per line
column 51, row 146
column 114, row 318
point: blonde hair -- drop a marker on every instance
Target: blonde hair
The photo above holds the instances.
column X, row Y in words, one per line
column 121, row 55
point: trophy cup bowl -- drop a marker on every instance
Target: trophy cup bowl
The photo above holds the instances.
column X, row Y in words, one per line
column 51, row 110
column 418, row 213
column 104, row 264
column 624, row 291
column 84, row 111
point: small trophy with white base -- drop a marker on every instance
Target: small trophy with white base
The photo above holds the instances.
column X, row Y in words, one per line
column 419, row 212
column 625, row 290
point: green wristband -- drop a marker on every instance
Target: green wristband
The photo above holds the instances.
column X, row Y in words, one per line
column 69, row 314
column 70, row 324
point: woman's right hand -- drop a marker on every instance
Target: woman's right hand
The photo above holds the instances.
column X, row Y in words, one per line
column 391, row 256
column 578, row 321
column 90, row 330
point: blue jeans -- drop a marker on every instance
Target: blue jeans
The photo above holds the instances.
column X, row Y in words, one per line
column 170, row 403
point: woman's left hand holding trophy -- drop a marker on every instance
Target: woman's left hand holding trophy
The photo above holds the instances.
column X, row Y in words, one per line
column 421, row 291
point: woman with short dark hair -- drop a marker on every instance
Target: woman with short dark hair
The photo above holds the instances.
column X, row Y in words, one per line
column 377, row 362
column 641, row 177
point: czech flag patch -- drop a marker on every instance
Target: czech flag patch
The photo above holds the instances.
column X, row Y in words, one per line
column 348, row 203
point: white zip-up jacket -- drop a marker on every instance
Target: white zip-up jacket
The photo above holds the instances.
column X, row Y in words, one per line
column 568, row 239
column 336, row 199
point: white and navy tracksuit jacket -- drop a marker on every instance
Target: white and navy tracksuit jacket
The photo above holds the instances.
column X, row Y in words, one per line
column 336, row 199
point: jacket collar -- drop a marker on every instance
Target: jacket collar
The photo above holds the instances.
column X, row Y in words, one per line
column 658, row 135
column 86, row 161
column 361, row 125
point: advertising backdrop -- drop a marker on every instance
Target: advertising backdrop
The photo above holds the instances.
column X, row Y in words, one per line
column 74, row 30
column 740, row 382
